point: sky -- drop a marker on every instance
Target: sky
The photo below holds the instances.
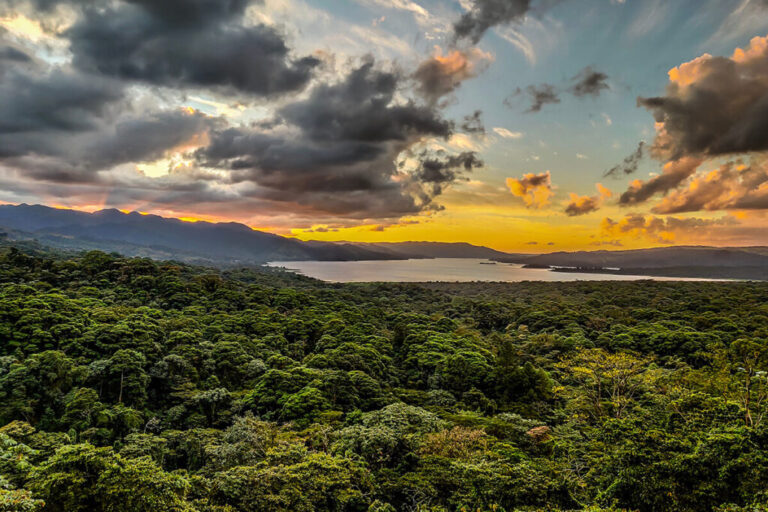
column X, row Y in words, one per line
column 522, row 125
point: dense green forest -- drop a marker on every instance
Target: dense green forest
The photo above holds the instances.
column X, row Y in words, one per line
column 134, row 385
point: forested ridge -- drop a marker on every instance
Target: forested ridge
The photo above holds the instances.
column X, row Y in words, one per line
column 135, row 385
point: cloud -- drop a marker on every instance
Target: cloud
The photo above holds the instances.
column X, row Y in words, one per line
column 55, row 101
column 473, row 123
column 440, row 75
column 507, row 134
column 12, row 53
column 438, row 169
column 611, row 243
column 538, row 96
column 534, row 189
column 662, row 229
column 589, row 82
column 629, row 165
column 581, row 205
column 362, row 108
column 202, row 43
column 321, row 229
column 82, row 134
column 63, row 126
column 419, row 12
column 732, row 186
column 335, row 155
column 485, row 14
column 673, row 174
column 714, row 106
column 746, row 19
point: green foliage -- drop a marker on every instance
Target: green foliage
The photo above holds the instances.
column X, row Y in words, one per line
column 85, row 478
column 128, row 384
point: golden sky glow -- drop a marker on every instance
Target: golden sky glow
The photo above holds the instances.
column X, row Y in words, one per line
column 382, row 123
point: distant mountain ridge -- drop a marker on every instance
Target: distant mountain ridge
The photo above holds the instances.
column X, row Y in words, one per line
column 227, row 243
column 234, row 244
column 659, row 257
column 435, row 250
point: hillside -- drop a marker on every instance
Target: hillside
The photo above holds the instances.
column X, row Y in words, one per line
column 230, row 243
column 679, row 261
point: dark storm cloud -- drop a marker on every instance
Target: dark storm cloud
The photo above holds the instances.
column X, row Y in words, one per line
column 485, row 14
column 201, row 43
column 53, row 101
column 361, row 108
column 629, row 165
column 145, row 138
column 713, row 106
column 438, row 169
column 68, row 157
column 294, row 162
column 589, row 82
column 77, row 130
column 473, row 123
column 11, row 53
column 336, row 152
column 60, row 125
column 537, row 95
column 192, row 13
column 719, row 105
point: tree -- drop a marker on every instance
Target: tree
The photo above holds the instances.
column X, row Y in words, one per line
column 127, row 379
column 317, row 483
column 83, row 478
column 750, row 361
column 606, row 384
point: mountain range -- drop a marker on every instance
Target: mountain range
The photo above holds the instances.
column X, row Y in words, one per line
column 234, row 244
column 676, row 261
column 228, row 243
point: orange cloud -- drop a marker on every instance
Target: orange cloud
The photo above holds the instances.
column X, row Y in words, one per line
column 604, row 192
column 581, row 205
column 441, row 74
column 534, row 189
column 665, row 230
column 731, row 186
column 673, row 174
column 713, row 106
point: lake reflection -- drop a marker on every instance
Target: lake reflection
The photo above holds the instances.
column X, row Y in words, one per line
column 440, row 269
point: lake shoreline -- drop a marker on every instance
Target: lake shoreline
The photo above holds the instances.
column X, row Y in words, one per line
column 455, row 270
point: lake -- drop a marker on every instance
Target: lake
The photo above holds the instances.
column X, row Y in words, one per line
column 440, row 269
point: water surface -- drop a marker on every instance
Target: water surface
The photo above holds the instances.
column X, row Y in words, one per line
column 441, row 269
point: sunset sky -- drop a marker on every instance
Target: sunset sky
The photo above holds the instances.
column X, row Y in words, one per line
column 523, row 125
